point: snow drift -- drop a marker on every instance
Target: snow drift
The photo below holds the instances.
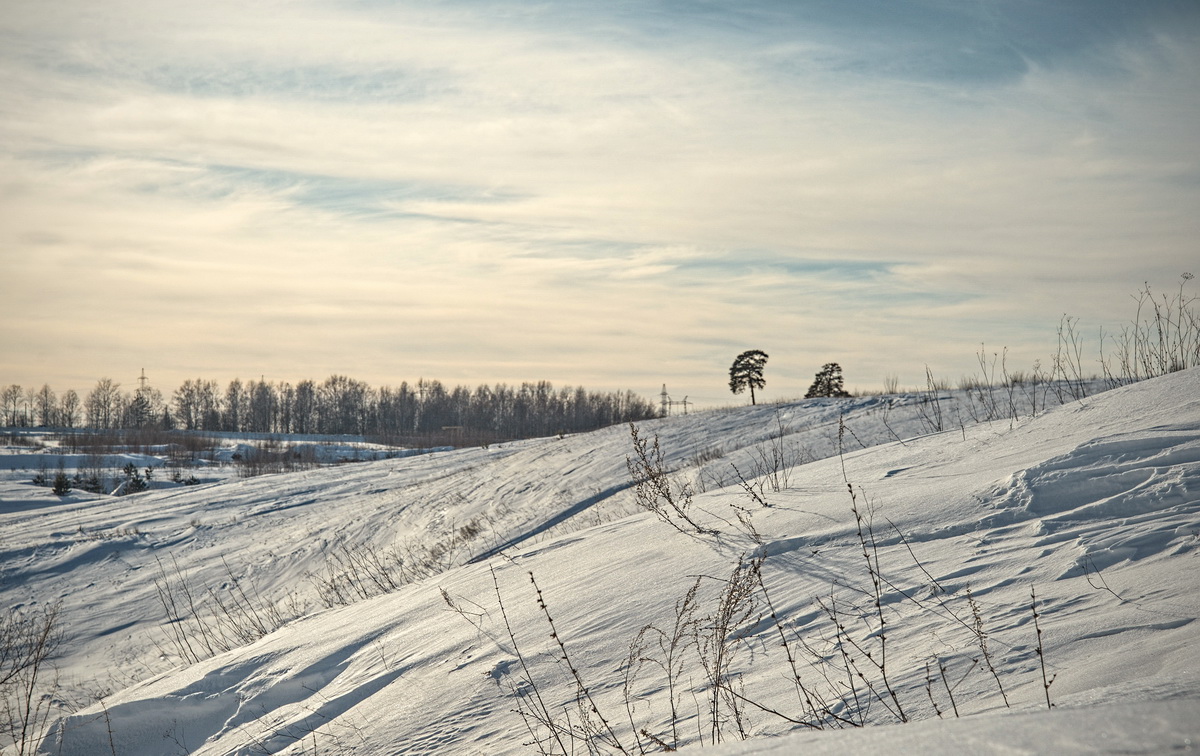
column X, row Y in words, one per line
column 875, row 620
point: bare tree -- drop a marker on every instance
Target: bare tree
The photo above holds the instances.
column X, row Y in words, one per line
column 47, row 406
column 342, row 405
column 68, row 409
column 10, row 400
column 103, row 404
column 235, row 401
column 28, row 405
column 262, row 406
column 304, row 410
column 28, row 642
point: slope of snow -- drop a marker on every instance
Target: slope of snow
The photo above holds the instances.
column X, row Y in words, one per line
column 1127, row 728
column 276, row 532
column 1095, row 505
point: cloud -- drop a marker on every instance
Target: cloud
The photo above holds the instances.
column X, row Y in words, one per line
column 617, row 193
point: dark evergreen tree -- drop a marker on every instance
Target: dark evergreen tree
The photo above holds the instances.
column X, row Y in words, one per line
column 134, row 482
column 138, row 413
column 828, row 382
column 747, row 372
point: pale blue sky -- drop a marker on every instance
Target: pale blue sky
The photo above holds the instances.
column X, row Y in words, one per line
column 613, row 194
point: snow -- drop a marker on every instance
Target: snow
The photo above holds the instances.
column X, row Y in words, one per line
column 1095, row 505
column 1130, row 728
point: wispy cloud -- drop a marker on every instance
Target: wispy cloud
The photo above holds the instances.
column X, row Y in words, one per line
column 617, row 194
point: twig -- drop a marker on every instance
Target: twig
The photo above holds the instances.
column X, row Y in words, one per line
column 544, row 715
column 581, row 688
column 1041, row 653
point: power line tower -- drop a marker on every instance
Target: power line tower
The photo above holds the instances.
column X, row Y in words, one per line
column 668, row 402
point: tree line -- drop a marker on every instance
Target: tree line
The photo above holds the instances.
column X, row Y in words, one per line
column 339, row 405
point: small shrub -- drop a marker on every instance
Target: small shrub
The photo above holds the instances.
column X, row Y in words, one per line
column 655, row 491
column 840, row 659
column 134, row 482
column 709, row 454
column 28, row 683
column 202, row 621
column 91, row 483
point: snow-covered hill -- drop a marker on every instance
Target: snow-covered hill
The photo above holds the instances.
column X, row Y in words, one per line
column 1093, row 505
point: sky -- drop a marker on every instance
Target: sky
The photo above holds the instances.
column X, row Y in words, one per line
column 612, row 194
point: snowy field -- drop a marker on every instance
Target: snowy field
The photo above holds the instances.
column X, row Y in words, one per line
column 761, row 617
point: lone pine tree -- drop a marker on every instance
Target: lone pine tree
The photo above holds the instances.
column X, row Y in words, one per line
column 828, row 382
column 747, row 372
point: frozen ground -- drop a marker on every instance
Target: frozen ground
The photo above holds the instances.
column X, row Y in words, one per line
column 1093, row 504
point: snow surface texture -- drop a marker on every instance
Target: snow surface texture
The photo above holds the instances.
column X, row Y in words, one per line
column 1094, row 504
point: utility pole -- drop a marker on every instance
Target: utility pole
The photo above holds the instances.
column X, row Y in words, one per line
column 668, row 402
